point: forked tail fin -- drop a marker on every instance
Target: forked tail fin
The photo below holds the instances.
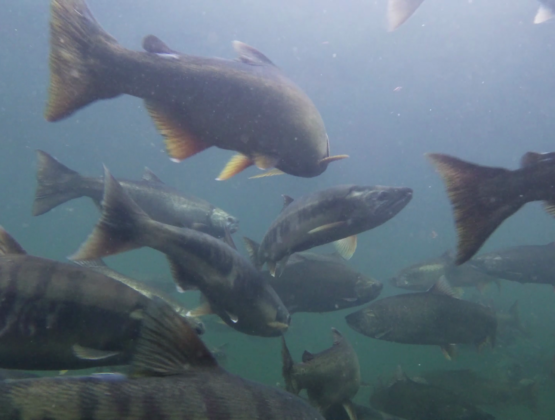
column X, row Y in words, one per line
column 77, row 76
column 119, row 226
column 56, row 184
column 476, row 216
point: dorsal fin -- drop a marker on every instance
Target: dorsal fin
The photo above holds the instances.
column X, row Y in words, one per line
column 442, row 287
column 336, row 335
column 150, row 176
column 153, row 44
column 167, row 344
column 8, row 245
column 286, row 200
column 250, row 55
column 307, row 356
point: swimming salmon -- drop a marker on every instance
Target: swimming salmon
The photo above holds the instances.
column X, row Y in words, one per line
column 246, row 105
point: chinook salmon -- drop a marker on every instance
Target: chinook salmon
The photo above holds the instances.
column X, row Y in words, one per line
column 175, row 377
column 335, row 214
column 246, row 105
column 483, row 197
column 523, row 264
column 322, row 283
column 145, row 289
column 330, row 377
column 430, row 318
column 235, row 290
column 58, row 316
column 423, row 275
column 415, row 400
column 56, row 184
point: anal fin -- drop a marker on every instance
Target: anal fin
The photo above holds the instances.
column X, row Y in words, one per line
column 350, row 410
column 271, row 172
column 549, row 207
column 449, row 351
column 180, row 142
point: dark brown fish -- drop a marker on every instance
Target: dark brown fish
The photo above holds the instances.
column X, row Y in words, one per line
column 330, row 377
column 483, row 197
column 233, row 287
column 414, row 400
column 148, row 290
column 59, row 316
column 322, row 283
column 175, row 378
column 56, row 184
column 423, row 275
column 246, row 105
column 477, row 389
column 431, row 318
column 335, row 214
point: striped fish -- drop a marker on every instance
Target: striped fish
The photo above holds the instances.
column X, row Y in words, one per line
column 56, row 316
column 175, row 377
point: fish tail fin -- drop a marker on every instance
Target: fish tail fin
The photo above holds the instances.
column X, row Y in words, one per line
column 77, row 76
column 119, row 226
column 252, row 249
column 476, row 217
column 56, row 184
column 287, row 369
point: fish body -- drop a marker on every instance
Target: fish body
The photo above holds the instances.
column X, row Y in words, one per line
column 337, row 412
column 329, row 377
column 333, row 214
column 430, row 318
column 422, row 276
column 483, row 197
column 322, row 283
column 174, row 377
column 413, row 400
column 233, row 287
column 478, row 389
column 51, row 312
column 523, row 264
column 247, row 105
column 148, row 290
column 57, row 184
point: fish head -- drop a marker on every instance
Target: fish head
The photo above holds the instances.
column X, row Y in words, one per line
column 367, row 289
column 222, row 221
column 381, row 202
column 367, row 321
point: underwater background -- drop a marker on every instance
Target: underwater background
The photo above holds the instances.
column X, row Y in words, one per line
column 476, row 81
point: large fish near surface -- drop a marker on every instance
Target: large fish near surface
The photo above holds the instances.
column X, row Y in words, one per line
column 414, row 400
column 523, row 264
column 246, row 105
column 430, row 318
column 58, row 316
column 478, row 389
column 175, row 377
column 56, row 184
column 235, row 290
column 322, row 283
column 143, row 288
column 399, row 11
column 423, row 275
column 330, row 377
column 483, row 197
column 335, row 214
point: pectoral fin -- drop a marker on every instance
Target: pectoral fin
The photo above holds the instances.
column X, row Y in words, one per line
column 449, row 351
column 271, row 172
column 264, row 162
column 86, row 353
column 8, row 245
column 180, row 142
column 543, row 15
column 330, row 159
column 238, row 163
column 326, row 227
column 346, row 247
column 398, row 11
column 202, row 310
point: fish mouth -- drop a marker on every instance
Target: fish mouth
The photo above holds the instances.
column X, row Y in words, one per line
column 232, row 225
